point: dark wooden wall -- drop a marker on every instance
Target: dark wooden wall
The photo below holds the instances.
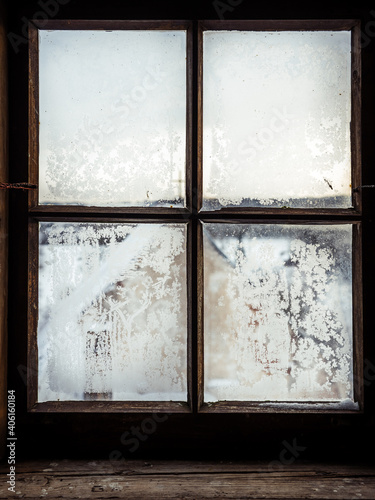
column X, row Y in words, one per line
column 3, row 223
column 250, row 436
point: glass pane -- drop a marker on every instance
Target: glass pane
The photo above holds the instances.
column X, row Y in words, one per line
column 276, row 119
column 112, row 118
column 278, row 312
column 112, row 312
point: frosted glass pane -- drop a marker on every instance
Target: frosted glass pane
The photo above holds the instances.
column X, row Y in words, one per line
column 278, row 312
column 112, row 312
column 112, row 118
column 276, row 119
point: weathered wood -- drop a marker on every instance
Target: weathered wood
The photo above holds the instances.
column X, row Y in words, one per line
column 281, row 212
column 75, row 467
column 17, row 185
column 32, row 314
column 124, row 211
column 33, row 132
column 282, row 220
column 189, row 118
column 154, row 479
column 279, row 24
column 200, row 119
column 357, row 294
column 101, row 406
column 190, row 318
column 306, row 407
column 3, row 227
column 113, row 24
column 134, row 219
column 200, row 317
column 355, row 125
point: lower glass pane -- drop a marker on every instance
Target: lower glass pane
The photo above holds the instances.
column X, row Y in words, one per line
column 278, row 313
column 112, row 312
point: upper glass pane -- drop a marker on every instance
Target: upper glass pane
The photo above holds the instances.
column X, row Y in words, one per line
column 112, row 118
column 112, row 312
column 276, row 119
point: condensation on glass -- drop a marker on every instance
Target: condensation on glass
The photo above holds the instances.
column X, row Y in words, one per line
column 276, row 119
column 278, row 313
column 112, row 112
column 112, row 312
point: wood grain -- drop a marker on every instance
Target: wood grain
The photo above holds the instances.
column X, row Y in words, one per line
column 357, row 292
column 200, row 317
column 200, row 119
column 194, row 480
column 108, row 25
column 279, row 24
column 33, row 132
column 32, row 314
column 355, row 125
column 101, row 406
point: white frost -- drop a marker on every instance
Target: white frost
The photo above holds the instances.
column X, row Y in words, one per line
column 277, row 317
column 112, row 311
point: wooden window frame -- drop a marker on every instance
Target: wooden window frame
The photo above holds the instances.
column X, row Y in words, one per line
column 292, row 215
column 97, row 406
column 355, row 128
column 306, row 406
column 192, row 215
column 71, row 213
column 54, row 24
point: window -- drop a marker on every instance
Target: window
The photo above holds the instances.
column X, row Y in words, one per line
column 111, row 292
column 210, row 272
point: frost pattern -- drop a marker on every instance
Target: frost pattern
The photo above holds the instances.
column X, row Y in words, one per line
column 112, row 117
column 276, row 119
column 112, row 312
column 278, row 312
